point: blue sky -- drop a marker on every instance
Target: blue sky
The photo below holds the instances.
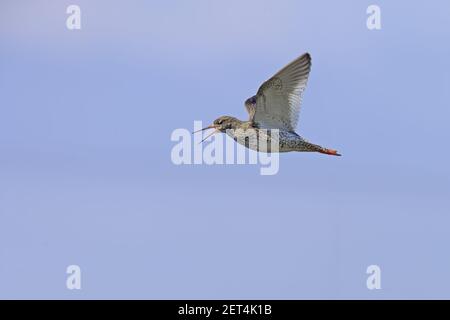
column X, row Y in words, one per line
column 86, row 176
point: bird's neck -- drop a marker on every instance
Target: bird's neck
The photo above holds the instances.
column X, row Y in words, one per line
column 244, row 125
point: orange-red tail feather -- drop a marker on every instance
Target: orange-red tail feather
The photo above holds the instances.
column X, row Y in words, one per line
column 331, row 152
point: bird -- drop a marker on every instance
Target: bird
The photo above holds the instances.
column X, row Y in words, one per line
column 274, row 109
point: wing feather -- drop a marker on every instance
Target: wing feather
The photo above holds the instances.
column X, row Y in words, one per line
column 277, row 103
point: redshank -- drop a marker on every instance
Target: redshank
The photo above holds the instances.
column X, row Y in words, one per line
column 276, row 105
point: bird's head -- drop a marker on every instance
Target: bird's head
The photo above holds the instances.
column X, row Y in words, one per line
column 222, row 124
column 226, row 122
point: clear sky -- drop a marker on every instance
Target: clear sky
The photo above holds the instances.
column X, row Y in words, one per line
column 86, row 176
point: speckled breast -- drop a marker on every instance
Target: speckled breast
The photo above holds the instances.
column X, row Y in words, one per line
column 267, row 140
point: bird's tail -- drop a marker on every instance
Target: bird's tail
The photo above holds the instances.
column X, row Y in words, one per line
column 331, row 152
column 316, row 148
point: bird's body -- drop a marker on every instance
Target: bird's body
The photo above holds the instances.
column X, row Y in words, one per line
column 260, row 139
column 264, row 139
column 273, row 114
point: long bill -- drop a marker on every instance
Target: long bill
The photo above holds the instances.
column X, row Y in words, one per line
column 208, row 127
column 209, row 135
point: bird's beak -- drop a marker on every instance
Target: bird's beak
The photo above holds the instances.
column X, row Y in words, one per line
column 208, row 127
column 209, row 135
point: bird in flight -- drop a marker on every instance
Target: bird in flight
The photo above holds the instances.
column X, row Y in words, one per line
column 276, row 105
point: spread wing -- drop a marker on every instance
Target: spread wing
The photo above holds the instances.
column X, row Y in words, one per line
column 277, row 103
